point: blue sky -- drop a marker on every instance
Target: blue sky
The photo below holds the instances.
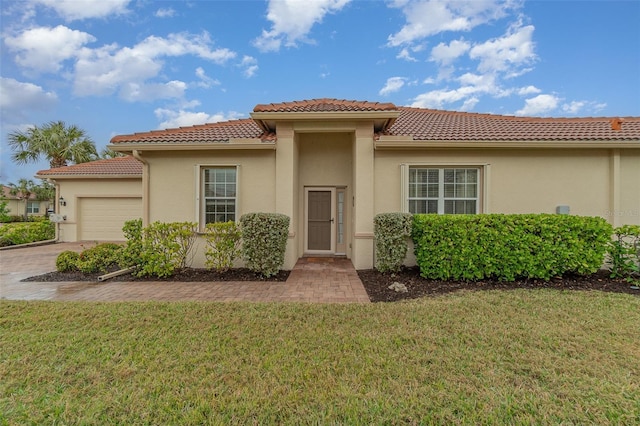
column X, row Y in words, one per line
column 123, row 66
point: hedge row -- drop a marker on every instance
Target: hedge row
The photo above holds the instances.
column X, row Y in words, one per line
column 161, row 248
column 26, row 232
column 507, row 247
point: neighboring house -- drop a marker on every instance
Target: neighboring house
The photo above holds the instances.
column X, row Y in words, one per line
column 332, row 165
column 16, row 203
column 96, row 198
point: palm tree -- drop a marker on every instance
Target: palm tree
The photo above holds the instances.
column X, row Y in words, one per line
column 107, row 153
column 23, row 190
column 55, row 141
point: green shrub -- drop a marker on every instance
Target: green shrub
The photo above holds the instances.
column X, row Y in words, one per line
column 391, row 231
column 223, row 245
column 99, row 258
column 131, row 252
column 507, row 247
column 26, row 232
column 264, row 241
column 67, row 261
column 624, row 252
column 166, row 247
column 4, row 212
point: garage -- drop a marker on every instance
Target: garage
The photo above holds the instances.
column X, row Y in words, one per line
column 102, row 218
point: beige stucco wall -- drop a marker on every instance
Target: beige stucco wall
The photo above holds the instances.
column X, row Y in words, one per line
column 324, row 161
column 74, row 189
column 174, row 182
column 515, row 181
column 16, row 207
column 592, row 182
column 628, row 212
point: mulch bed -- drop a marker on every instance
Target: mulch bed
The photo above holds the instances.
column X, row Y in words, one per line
column 377, row 284
column 184, row 275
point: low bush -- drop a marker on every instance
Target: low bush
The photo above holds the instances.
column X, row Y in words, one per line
column 99, row 258
column 391, row 231
column 26, row 232
column 223, row 245
column 623, row 252
column 131, row 252
column 67, row 261
column 264, row 241
column 507, row 247
column 166, row 247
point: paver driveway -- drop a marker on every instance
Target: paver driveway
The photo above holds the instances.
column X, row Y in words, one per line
column 323, row 280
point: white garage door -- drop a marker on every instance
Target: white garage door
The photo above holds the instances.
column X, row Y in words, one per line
column 102, row 219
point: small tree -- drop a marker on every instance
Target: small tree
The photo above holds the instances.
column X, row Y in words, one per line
column 55, row 141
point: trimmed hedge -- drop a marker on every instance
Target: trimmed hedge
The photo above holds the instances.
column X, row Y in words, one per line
column 264, row 241
column 12, row 234
column 165, row 247
column 508, row 247
column 391, row 231
column 98, row 258
column 223, row 245
column 624, row 253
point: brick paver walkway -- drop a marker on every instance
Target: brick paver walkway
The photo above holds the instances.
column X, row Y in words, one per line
column 318, row 280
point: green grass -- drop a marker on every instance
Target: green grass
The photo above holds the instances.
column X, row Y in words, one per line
column 516, row 357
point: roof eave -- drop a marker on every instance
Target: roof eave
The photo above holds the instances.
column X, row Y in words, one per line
column 91, row 176
column 390, row 143
column 239, row 144
column 266, row 120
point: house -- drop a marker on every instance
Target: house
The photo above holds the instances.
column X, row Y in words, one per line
column 96, row 198
column 16, row 203
column 332, row 165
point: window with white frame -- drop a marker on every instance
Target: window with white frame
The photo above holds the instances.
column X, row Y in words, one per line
column 219, row 194
column 443, row 190
column 33, row 207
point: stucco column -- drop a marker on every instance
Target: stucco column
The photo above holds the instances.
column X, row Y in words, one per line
column 287, row 186
column 363, row 192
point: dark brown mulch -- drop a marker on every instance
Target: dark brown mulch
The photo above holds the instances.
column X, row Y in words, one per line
column 185, row 275
column 377, row 284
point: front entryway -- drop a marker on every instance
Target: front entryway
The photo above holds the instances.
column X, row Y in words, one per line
column 325, row 220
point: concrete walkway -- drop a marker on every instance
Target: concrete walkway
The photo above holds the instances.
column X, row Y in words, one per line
column 317, row 280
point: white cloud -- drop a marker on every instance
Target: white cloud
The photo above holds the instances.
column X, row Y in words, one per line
column 445, row 54
column 393, row 85
column 205, row 81
column 404, row 54
column 250, row 65
column 426, row 18
column 71, row 10
column 516, row 48
column 44, row 48
column 181, row 118
column 437, row 99
column 138, row 92
column 165, row 12
column 18, row 98
column 541, row 104
column 110, row 68
column 529, row 90
column 576, row 107
column 292, row 21
column 469, row 104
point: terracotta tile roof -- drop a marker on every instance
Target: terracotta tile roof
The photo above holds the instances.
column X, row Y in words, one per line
column 436, row 125
column 112, row 166
column 6, row 194
column 421, row 124
column 206, row 133
column 325, row 105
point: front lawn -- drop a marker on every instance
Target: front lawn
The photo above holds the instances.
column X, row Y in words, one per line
column 491, row 357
